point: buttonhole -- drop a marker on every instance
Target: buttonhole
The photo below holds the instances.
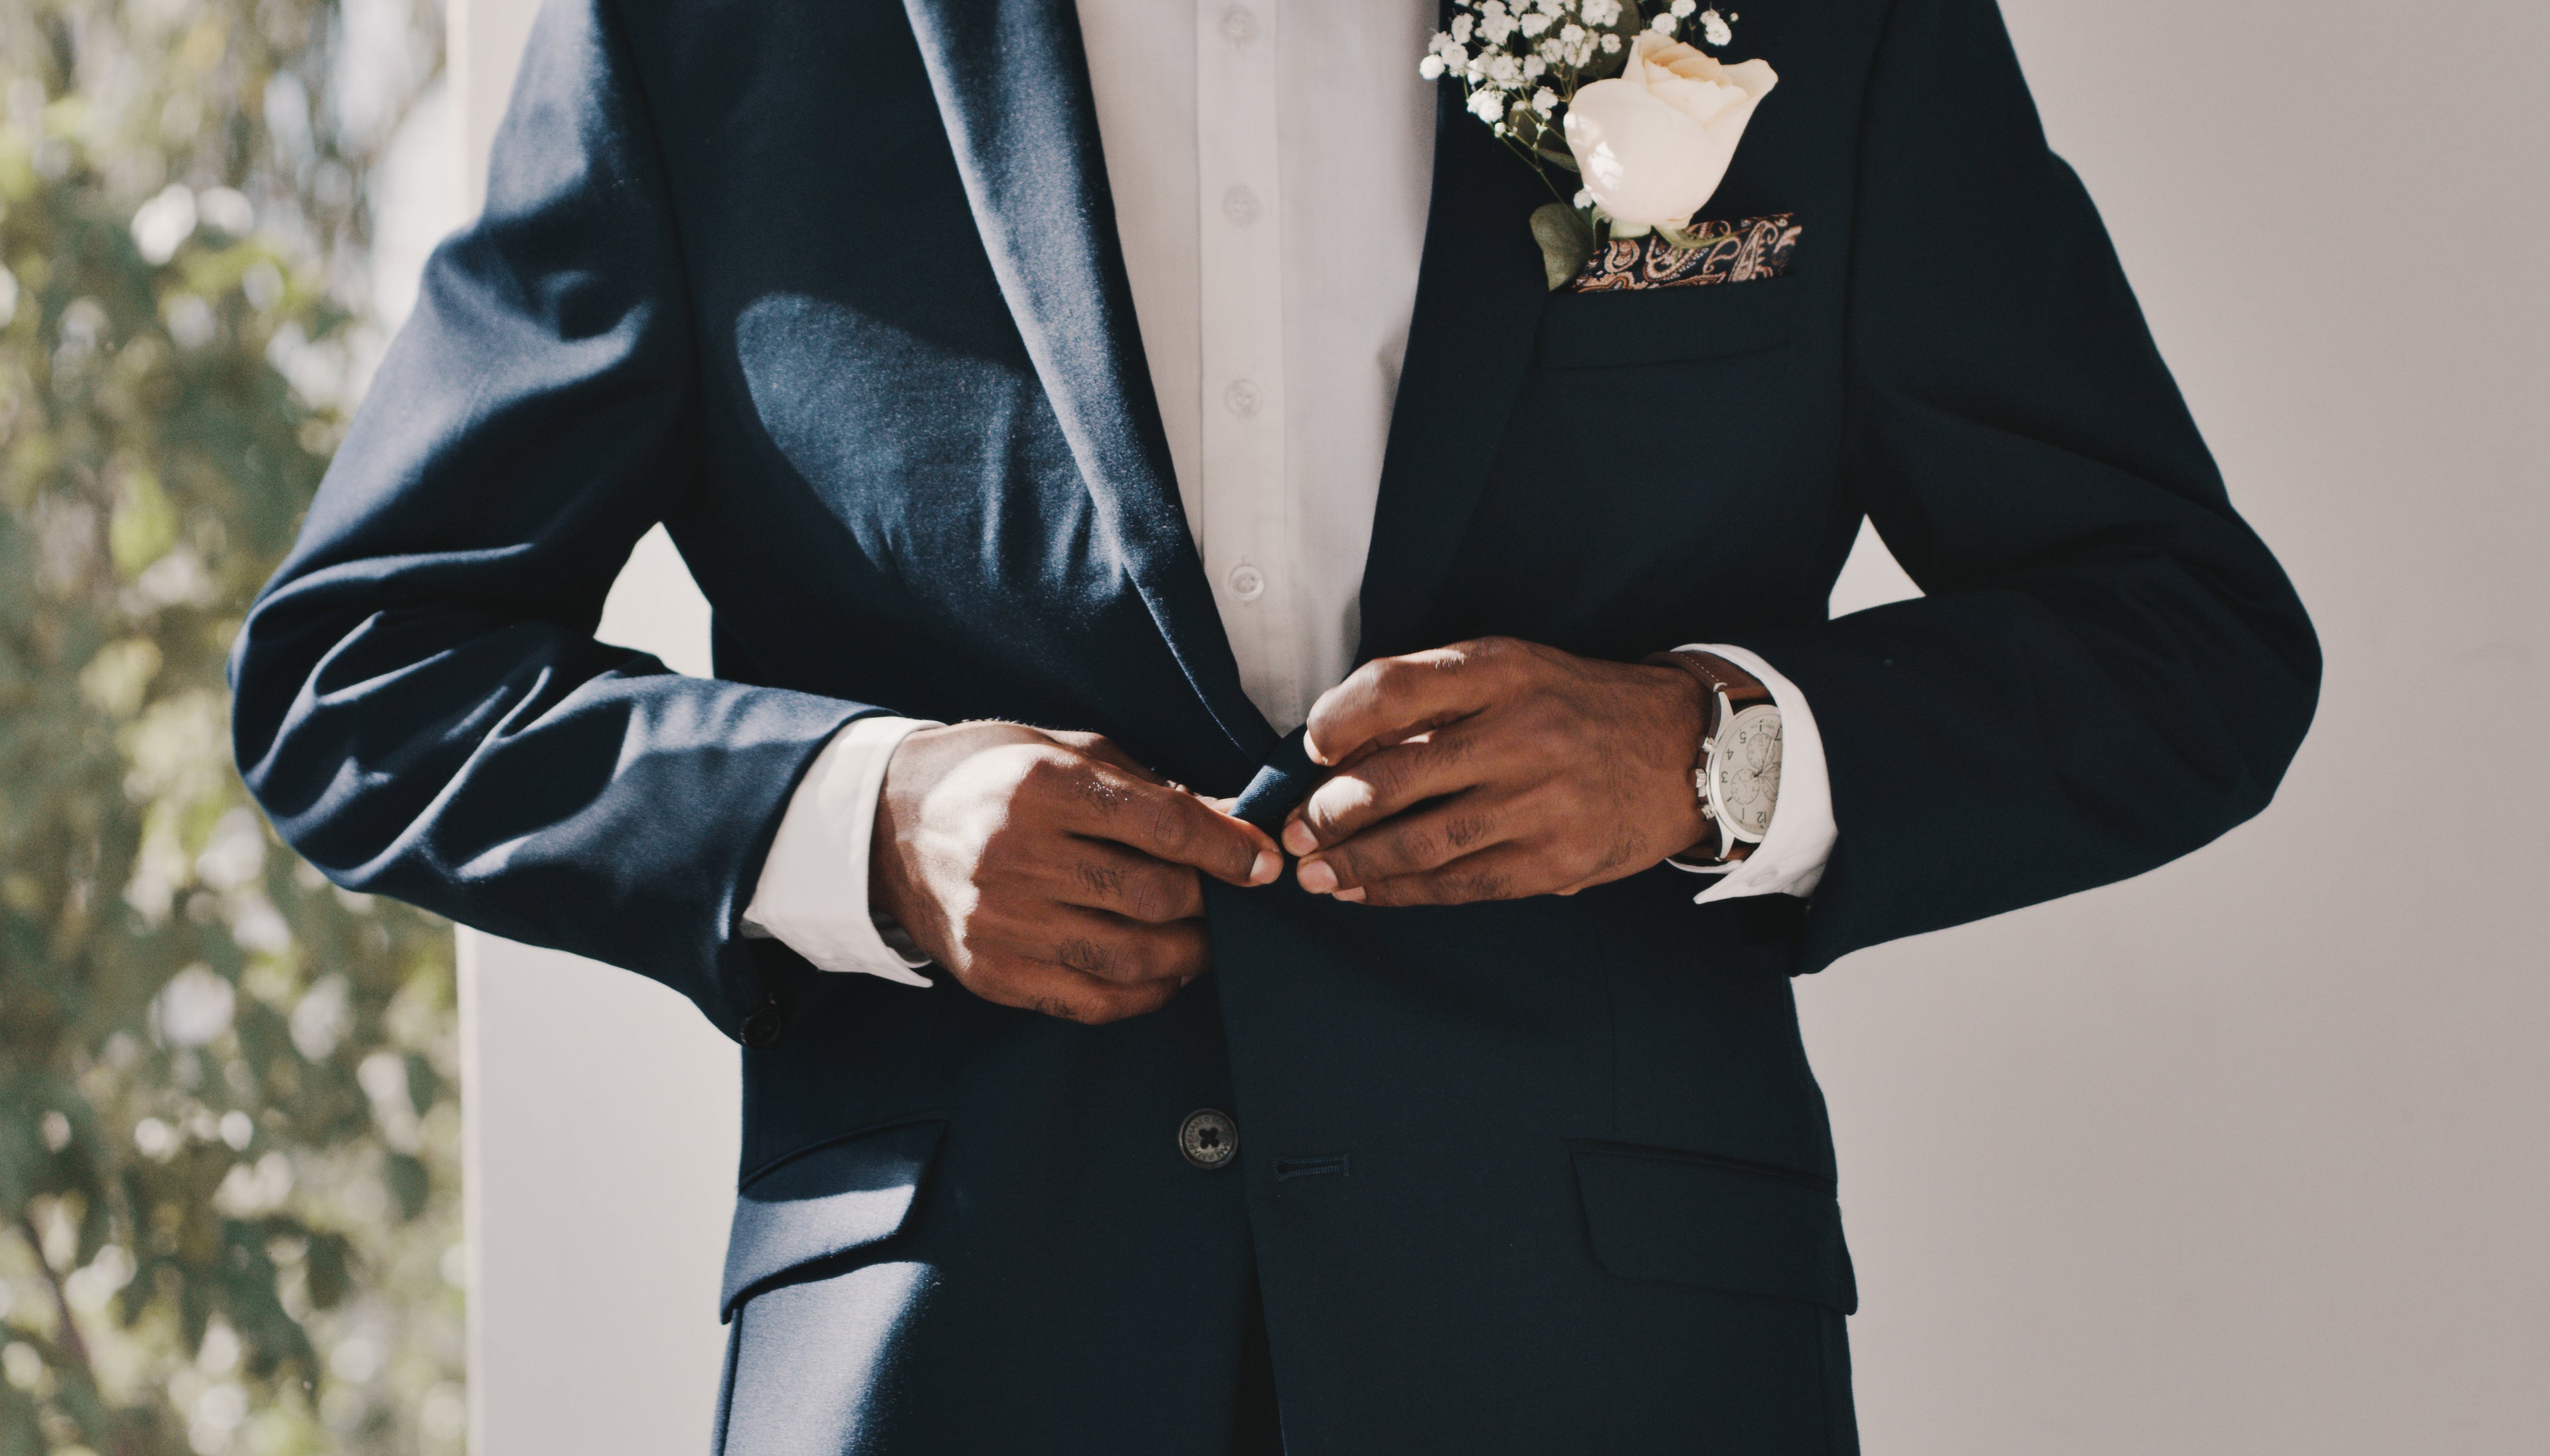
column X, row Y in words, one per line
column 1289, row 1168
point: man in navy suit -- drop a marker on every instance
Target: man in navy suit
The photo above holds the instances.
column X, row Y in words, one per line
column 1128, row 444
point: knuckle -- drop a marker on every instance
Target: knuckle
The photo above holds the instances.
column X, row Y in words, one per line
column 1103, row 878
column 1416, row 845
column 1084, row 954
column 1467, row 830
column 1170, row 827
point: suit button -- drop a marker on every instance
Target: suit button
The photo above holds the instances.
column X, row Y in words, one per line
column 1207, row 1139
column 763, row 1026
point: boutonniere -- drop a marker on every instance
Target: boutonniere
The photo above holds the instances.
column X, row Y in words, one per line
column 1642, row 123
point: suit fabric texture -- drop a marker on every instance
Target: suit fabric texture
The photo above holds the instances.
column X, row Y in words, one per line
column 831, row 291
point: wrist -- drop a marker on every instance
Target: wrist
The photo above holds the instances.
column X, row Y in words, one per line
column 1690, row 715
column 1724, row 688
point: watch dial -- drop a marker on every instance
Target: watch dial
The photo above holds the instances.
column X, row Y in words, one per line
column 1748, row 774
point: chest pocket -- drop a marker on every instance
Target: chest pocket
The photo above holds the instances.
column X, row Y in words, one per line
column 1662, row 326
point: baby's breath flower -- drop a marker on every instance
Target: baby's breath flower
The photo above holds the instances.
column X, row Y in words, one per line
column 1584, row 198
column 1535, row 23
column 1534, row 66
column 1487, row 106
column 1600, row 12
column 1432, row 68
column 1545, row 101
column 1611, row 43
column 1461, row 26
column 1682, row 9
column 1714, row 28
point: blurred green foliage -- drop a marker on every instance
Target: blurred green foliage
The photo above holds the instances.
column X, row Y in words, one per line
column 229, row 1129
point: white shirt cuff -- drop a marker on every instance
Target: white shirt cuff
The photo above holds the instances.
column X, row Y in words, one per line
column 1791, row 859
column 813, row 895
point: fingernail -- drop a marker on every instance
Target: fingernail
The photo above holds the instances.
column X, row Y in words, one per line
column 1264, row 869
column 1350, row 897
column 1299, row 838
column 1316, row 877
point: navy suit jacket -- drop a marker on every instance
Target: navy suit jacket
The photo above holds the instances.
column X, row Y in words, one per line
column 830, row 288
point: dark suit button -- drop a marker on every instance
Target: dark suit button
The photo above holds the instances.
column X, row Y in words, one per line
column 763, row 1026
column 1207, row 1139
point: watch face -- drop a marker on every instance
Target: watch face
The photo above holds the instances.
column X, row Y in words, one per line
column 1747, row 787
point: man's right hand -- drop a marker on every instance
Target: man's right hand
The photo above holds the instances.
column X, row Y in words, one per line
column 1050, row 871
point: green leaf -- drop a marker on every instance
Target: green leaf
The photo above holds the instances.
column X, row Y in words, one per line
column 408, row 1182
column 145, row 524
column 1566, row 239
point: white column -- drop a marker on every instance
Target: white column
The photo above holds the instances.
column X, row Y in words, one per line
column 600, row 1110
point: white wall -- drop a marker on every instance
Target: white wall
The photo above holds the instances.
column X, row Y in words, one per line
column 2248, row 1155
column 2244, row 1156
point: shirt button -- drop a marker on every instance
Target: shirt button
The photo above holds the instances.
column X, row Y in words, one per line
column 1242, row 398
column 1240, row 206
column 1238, row 27
column 1207, row 1139
column 1247, row 583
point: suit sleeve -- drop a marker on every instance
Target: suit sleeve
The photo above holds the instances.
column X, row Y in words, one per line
column 2108, row 669
column 421, row 705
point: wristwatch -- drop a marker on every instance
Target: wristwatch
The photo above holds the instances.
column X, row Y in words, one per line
column 1738, row 776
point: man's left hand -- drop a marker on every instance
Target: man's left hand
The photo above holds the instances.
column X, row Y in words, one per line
column 1497, row 769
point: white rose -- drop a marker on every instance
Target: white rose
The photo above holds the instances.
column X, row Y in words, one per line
column 1654, row 142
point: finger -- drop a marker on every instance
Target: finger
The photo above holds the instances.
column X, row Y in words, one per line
column 1385, row 783
column 1068, row 995
column 1412, row 843
column 1171, row 824
column 1390, row 697
column 1509, row 871
column 1095, row 874
column 1093, row 942
column 1126, row 952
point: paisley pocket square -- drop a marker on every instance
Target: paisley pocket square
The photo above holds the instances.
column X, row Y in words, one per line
column 1725, row 253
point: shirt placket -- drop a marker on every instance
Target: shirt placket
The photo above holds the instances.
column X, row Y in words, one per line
column 1248, row 531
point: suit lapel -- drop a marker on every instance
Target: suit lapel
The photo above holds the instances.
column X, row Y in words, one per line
column 1480, row 288
column 1012, row 84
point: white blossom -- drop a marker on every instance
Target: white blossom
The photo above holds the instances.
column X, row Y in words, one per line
column 1535, row 23
column 1534, row 68
column 1432, row 68
column 1664, row 24
column 1487, row 106
column 1714, row 28
column 1584, row 199
column 1602, row 12
column 1682, row 9
column 1545, row 101
column 1611, row 43
column 1461, row 28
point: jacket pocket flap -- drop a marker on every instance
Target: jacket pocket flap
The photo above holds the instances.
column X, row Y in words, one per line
column 1690, row 1218
column 829, row 1200
column 1658, row 326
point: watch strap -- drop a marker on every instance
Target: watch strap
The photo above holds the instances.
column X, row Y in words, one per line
column 1720, row 681
column 1717, row 675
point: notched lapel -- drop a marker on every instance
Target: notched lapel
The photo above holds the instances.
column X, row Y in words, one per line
column 1012, row 84
column 1480, row 289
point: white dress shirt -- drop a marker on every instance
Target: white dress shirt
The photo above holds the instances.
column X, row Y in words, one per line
column 1271, row 163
